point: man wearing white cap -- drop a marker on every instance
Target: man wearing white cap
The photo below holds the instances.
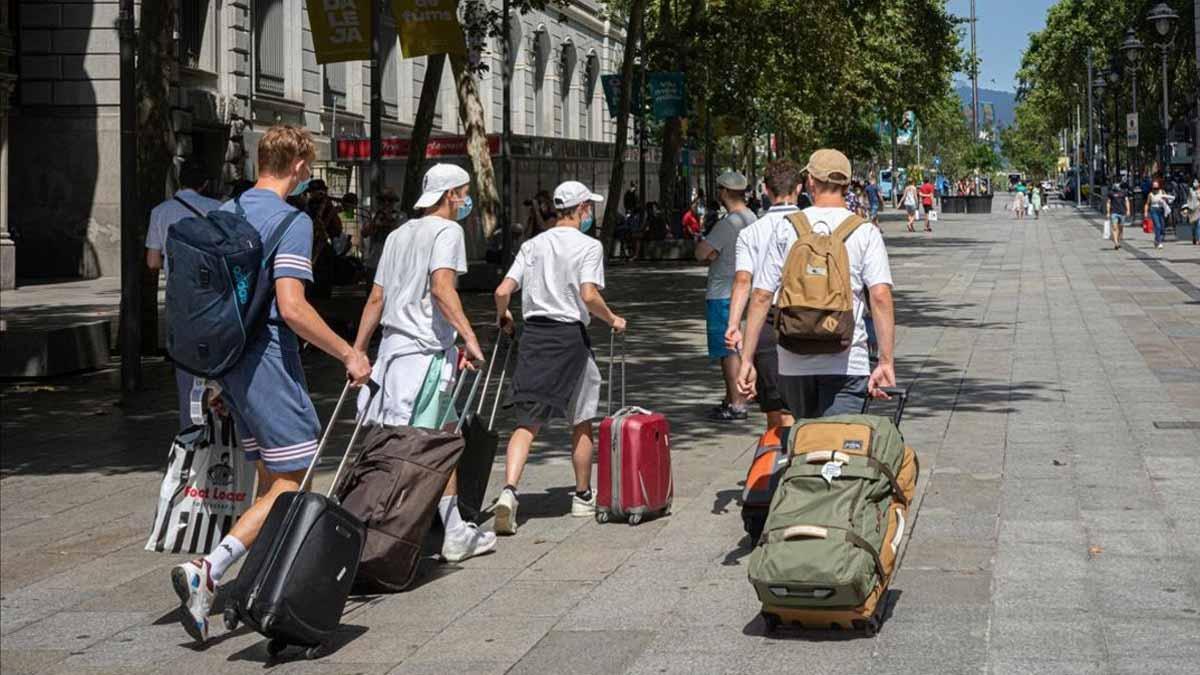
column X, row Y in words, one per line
column 415, row 297
column 560, row 274
column 717, row 251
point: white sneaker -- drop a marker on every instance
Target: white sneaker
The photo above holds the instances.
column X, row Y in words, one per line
column 506, row 513
column 194, row 585
column 467, row 541
column 581, row 508
column 1158, row 246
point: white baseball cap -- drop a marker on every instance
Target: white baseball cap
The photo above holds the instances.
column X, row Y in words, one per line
column 573, row 193
column 438, row 179
column 732, row 180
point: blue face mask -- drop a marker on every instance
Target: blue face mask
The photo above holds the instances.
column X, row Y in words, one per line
column 464, row 209
column 586, row 223
column 300, row 188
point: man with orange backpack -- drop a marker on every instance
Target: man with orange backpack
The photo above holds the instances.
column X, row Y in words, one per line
column 822, row 263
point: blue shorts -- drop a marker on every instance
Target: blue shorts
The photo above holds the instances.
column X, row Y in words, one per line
column 873, row 211
column 718, row 320
column 275, row 418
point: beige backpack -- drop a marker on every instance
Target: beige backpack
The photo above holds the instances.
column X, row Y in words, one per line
column 816, row 301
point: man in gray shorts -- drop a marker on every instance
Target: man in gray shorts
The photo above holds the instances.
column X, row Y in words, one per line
column 560, row 273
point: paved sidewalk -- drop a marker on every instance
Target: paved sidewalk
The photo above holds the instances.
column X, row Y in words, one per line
column 1054, row 384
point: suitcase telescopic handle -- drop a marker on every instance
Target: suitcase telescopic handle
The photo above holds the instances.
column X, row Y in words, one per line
column 373, row 387
column 500, row 337
column 899, row 393
column 612, row 355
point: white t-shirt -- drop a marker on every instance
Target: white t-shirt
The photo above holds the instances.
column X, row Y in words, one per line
column 551, row 269
column 723, row 240
column 751, row 240
column 410, row 256
column 868, row 267
column 166, row 214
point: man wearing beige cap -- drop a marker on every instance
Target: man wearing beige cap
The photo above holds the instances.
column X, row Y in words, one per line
column 717, row 251
column 817, row 385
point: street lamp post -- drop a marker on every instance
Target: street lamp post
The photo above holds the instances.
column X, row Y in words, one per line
column 1163, row 18
column 1098, row 86
column 1114, row 78
column 1132, row 48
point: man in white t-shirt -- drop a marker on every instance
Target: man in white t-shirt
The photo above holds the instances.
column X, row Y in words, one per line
column 818, row 385
column 717, row 250
column 781, row 180
column 560, row 274
column 415, row 298
column 186, row 203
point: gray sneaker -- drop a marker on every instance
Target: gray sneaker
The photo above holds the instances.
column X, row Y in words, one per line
column 506, row 513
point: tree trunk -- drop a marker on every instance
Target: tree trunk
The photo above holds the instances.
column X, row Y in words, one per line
column 155, row 139
column 633, row 37
column 668, row 168
column 470, row 111
column 435, row 64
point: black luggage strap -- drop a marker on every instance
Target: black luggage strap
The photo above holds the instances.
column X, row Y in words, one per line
column 190, row 207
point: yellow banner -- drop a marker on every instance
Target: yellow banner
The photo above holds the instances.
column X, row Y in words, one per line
column 341, row 29
column 428, row 27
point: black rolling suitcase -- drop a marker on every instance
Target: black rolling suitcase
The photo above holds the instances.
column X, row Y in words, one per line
column 293, row 586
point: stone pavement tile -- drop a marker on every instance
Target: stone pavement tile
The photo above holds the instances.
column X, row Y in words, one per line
column 1162, row 665
column 1014, row 531
column 1143, row 520
column 714, row 601
column 1153, row 543
column 962, row 492
column 441, row 599
column 140, row 646
column 576, row 562
column 764, row 663
column 150, row 592
column 637, row 597
column 584, row 652
column 1063, row 506
column 1020, row 595
column 72, row 630
column 1044, row 665
column 486, row 638
column 1073, row 635
column 444, row 666
column 1150, row 637
column 1145, row 585
column 962, row 631
column 534, row 598
column 919, row 588
column 928, row 552
column 951, row 524
column 23, row 661
column 381, row 643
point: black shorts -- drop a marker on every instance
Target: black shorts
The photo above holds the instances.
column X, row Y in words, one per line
column 766, row 364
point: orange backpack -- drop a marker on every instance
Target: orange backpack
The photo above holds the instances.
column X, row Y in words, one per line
column 816, row 300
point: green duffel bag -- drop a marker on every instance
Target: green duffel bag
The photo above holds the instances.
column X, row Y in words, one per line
column 836, row 521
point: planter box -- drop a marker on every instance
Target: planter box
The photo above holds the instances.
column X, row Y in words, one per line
column 978, row 203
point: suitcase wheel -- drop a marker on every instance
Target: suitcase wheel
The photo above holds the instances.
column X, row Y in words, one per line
column 602, row 517
column 231, row 619
column 314, row 652
column 275, row 647
column 635, row 519
column 771, row 621
column 870, row 627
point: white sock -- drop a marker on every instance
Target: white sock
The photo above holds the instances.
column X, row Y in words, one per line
column 448, row 510
column 229, row 551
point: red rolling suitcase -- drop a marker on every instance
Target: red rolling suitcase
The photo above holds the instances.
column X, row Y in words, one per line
column 633, row 479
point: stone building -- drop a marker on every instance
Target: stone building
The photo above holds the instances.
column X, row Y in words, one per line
column 244, row 65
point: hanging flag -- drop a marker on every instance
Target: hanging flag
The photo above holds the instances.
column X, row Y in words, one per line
column 428, row 27
column 341, row 29
column 669, row 94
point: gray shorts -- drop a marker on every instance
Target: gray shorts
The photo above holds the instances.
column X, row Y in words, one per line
column 583, row 407
column 813, row 396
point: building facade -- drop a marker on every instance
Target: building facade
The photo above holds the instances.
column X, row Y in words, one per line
column 244, row 65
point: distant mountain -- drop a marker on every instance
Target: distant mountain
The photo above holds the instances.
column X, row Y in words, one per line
column 1004, row 103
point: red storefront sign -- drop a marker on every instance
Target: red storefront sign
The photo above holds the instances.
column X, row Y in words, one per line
column 359, row 149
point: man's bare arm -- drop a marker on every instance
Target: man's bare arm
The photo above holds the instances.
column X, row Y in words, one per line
column 302, row 318
column 595, row 303
column 445, row 294
column 371, row 315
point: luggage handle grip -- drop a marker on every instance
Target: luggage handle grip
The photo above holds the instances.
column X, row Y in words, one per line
column 823, row 456
column 804, row 532
column 901, row 395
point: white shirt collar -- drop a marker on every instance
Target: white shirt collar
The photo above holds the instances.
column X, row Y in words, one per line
column 783, row 208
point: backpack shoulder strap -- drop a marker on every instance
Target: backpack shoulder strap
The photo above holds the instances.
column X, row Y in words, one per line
column 276, row 238
column 800, row 222
column 189, row 206
column 848, row 227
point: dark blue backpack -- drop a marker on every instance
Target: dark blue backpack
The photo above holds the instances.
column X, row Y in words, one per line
column 219, row 288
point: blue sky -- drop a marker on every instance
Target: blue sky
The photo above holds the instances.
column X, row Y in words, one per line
column 1002, row 33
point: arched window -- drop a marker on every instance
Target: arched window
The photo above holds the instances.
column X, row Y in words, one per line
column 536, row 89
column 587, row 106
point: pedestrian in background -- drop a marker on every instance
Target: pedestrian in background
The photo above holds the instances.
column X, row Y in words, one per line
column 692, row 220
column 1035, row 200
column 927, row 203
column 1157, row 208
column 874, row 199
column 188, row 202
column 1193, row 210
column 718, row 251
column 1117, row 211
column 910, row 201
column 375, row 232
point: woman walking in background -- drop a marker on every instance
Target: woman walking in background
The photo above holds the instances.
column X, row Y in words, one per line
column 1035, row 200
column 1157, row 208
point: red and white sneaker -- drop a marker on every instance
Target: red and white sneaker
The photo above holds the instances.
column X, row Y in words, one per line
column 194, row 585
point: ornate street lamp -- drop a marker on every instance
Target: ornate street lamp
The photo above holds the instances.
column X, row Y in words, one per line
column 1132, row 49
column 1163, row 18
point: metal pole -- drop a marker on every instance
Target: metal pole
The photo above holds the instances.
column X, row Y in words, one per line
column 1078, row 168
column 1116, row 132
column 131, row 247
column 1091, row 123
column 375, row 174
column 1134, row 156
column 506, row 242
column 641, row 133
column 974, row 85
column 1166, row 114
